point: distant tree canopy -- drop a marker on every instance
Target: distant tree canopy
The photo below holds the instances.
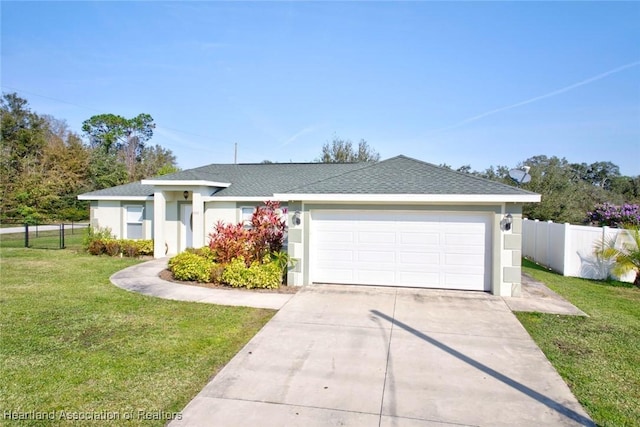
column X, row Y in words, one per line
column 569, row 190
column 342, row 151
column 44, row 165
column 112, row 136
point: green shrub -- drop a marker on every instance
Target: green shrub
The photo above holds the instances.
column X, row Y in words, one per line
column 97, row 233
column 189, row 266
column 96, row 247
column 266, row 276
column 216, row 273
column 112, row 247
column 238, row 275
column 130, row 248
column 100, row 241
column 235, row 273
column 145, row 247
column 204, row 252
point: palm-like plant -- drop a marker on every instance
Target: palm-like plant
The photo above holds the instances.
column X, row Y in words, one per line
column 625, row 256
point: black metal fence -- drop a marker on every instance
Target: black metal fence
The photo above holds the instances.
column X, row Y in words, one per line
column 42, row 236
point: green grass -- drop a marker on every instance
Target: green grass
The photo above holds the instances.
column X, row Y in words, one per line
column 71, row 341
column 598, row 356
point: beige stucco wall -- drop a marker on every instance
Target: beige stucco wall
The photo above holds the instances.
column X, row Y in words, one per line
column 148, row 220
column 108, row 213
column 112, row 214
column 218, row 211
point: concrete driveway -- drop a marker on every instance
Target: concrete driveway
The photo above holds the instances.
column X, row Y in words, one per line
column 371, row 356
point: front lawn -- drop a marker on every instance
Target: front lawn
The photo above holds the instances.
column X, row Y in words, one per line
column 71, row 341
column 598, row 356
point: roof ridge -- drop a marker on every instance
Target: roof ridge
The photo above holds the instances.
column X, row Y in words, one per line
column 468, row 175
column 483, row 179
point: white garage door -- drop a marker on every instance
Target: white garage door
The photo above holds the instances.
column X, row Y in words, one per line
column 419, row 249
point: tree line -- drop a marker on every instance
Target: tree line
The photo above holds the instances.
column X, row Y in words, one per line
column 44, row 165
column 569, row 190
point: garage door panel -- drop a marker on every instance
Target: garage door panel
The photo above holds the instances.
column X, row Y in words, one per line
column 413, row 279
column 377, row 256
column 469, row 239
column 419, row 238
column 336, row 255
column 463, row 260
column 377, row 237
column 335, row 236
column 463, row 250
column 374, row 277
column 421, row 249
column 341, row 276
column 419, row 258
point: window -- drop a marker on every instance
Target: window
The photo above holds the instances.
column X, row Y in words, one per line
column 135, row 215
column 247, row 214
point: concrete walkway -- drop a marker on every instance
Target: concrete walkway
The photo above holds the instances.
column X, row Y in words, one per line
column 536, row 296
column 372, row 356
column 143, row 278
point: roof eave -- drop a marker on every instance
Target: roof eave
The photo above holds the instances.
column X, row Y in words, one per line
column 244, row 198
column 115, row 198
column 184, row 182
column 413, row 198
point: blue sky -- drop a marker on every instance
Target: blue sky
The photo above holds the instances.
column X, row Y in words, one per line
column 479, row 83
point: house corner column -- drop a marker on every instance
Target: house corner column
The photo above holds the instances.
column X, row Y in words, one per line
column 512, row 254
column 159, row 216
column 198, row 219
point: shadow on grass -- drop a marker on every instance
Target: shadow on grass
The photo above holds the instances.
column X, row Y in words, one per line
column 532, row 265
column 613, row 283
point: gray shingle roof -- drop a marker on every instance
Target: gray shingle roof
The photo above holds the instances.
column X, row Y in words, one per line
column 247, row 180
column 397, row 175
column 404, row 175
column 264, row 180
column 135, row 189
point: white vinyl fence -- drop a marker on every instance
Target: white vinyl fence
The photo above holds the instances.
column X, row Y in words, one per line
column 570, row 249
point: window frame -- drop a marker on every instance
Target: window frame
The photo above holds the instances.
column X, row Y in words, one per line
column 127, row 220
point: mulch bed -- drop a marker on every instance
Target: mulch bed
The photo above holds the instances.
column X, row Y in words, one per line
column 283, row 289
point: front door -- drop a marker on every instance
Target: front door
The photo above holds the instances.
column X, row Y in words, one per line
column 186, row 227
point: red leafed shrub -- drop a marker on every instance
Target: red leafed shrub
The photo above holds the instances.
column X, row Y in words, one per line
column 265, row 236
column 229, row 241
column 268, row 230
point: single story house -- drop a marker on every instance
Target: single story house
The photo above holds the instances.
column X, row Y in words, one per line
column 398, row 222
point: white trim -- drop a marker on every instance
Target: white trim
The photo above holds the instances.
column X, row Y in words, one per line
column 474, row 217
column 127, row 222
column 409, row 198
column 389, row 198
column 246, row 223
column 245, row 199
column 185, row 224
column 184, row 182
column 117, row 198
